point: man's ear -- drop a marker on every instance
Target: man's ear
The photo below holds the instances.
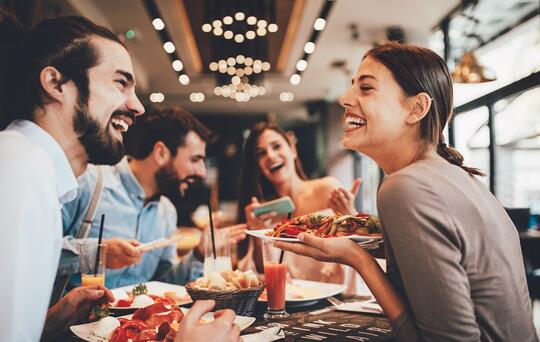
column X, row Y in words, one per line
column 52, row 83
column 420, row 107
column 161, row 153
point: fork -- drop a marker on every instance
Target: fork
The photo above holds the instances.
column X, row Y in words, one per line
column 334, row 301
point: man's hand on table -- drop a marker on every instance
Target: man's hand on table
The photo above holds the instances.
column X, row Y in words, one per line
column 222, row 329
column 122, row 253
column 74, row 308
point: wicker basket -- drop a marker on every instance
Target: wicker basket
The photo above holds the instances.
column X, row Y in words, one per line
column 241, row 301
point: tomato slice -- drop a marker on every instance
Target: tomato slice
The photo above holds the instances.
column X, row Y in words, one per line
column 124, row 303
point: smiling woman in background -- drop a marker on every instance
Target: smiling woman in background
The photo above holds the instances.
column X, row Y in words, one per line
column 455, row 268
column 271, row 169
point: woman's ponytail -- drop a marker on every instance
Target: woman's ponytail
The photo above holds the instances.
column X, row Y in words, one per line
column 454, row 157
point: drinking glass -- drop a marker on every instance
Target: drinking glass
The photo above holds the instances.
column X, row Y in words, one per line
column 222, row 260
column 274, row 277
column 90, row 275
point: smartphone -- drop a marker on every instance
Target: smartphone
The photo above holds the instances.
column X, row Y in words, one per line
column 281, row 206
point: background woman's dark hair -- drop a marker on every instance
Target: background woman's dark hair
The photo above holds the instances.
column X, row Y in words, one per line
column 169, row 125
column 252, row 182
column 418, row 70
column 63, row 43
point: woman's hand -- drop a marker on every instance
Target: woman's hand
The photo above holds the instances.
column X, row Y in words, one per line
column 342, row 201
column 340, row 250
column 257, row 222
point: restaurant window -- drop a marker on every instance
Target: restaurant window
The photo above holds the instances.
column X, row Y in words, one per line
column 472, row 141
column 517, row 133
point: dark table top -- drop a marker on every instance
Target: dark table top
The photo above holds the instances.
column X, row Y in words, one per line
column 328, row 326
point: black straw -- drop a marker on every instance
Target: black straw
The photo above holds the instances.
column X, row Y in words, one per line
column 211, row 227
column 282, row 254
column 99, row 244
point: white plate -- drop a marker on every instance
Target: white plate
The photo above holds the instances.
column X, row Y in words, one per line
column 261, row 234
column 313, row 291
column 85, row 331
column 156, row 288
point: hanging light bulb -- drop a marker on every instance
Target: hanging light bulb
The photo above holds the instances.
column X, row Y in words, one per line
column 468, row 70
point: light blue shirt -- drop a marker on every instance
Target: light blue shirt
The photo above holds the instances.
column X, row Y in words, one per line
column 35, row 180
column 127, row 216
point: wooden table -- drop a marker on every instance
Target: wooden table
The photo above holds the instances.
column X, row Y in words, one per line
column 329, row 326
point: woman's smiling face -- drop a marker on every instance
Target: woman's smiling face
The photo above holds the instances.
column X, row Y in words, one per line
column 275, row 157
column 375, row 109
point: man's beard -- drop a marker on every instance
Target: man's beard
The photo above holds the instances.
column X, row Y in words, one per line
column 101, row 147
column 167, row 180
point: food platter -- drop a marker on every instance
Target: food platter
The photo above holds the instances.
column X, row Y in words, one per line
column 263, row 234
column 86, row 331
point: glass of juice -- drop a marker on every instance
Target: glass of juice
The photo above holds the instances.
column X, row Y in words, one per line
column 274, row 277
column 90, row 274
column 222, row 261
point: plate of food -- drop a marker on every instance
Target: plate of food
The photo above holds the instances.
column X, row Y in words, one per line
column 156, row 322
column 306, row 292
column 360, row 228
column 142, row 295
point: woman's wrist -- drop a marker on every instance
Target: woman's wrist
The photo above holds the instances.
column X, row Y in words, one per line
column 359, row 259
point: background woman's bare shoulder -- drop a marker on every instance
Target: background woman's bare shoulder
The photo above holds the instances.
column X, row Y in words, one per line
column 323, row 186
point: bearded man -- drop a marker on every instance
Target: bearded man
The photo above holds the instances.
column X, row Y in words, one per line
column 167, row 151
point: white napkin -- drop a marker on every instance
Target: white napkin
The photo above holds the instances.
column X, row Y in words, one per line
column 267, row 335
column 363, row 306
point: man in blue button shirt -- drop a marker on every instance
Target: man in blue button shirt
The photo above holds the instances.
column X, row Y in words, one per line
column 167, row 148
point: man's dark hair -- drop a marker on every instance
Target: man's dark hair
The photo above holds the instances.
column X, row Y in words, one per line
column 168, row 125
column 63, row 43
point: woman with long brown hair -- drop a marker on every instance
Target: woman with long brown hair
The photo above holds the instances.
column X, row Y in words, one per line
column 271, row 169
column 454, row 264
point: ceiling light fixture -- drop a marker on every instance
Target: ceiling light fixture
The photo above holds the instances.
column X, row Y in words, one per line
column 158, row 24
column 295, row 79
column 169, row 47
column 309, row 47
column 177, row 65
column 183, row 79
column 301, row 65
column 319, row 24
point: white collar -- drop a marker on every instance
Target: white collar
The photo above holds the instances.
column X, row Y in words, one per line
column 66, row 183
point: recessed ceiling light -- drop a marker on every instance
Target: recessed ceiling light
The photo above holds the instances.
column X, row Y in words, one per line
column 250, row 34
column 183, row 79
column 272, row 27
column 217, row 23
column 213, row 66
column 158, row 24
column 251, row 20
column 261, row 31
column 227, row 20
column 218, row 31
column 319, row 24
column 239, row 16
column 231, row 61
column 309, row 47
column 169, row 47
column 207, row 27
column 295, row 79
column 262, row 23
column 177, row 65
column 239, row 38
column 228, row 34
column 301, row 65
column 240, row 59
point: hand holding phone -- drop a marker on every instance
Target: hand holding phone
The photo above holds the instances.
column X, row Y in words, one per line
column 281, row 206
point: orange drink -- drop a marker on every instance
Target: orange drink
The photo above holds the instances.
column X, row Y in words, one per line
column 275, row 271
column 274, row 276
column 92, row 279
column 92, row 264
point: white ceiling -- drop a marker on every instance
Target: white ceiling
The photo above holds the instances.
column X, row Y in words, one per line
column 320, row 81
